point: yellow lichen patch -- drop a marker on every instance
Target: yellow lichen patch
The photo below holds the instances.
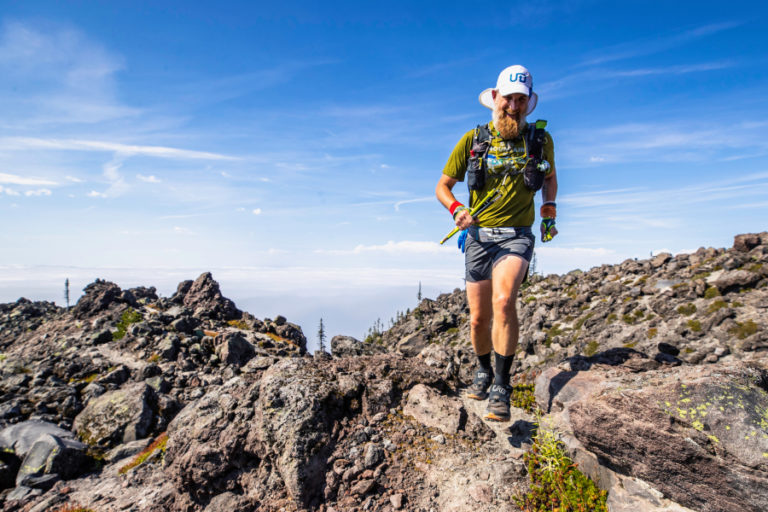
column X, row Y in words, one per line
column 714, row 439
column 697, row 425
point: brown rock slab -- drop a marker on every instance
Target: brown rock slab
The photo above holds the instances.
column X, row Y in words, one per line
column 432, row 409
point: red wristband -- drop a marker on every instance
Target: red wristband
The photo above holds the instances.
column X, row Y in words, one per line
column 453, row 207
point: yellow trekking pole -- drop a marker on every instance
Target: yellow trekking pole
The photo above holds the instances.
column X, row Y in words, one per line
column 474, row 211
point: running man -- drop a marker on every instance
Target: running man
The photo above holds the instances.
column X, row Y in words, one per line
column 508, row 160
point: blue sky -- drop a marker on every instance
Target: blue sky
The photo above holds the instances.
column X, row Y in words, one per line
column 293, row 149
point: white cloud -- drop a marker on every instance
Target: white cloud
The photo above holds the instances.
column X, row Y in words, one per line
column 24, row 143
column 93, row 193
column 183, row 231
column 73, row 179
column 21, row 180
column 418, row 200
column 8, row 191
column 256, row 211
column 38, row 192
column 148, row 179
column 393, row 248
column 596, row 159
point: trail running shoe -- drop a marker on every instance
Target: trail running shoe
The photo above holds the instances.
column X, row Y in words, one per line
column 498, row 403
column 478, row 390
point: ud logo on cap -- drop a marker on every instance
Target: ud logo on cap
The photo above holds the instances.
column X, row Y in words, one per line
column 518, row 77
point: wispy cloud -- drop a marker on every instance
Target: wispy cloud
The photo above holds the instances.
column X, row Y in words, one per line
column 417, row 200
column 53, row 73
column 8, row 191
column 148, row 179
column 26, row 143
column 600, row 78
column 23, row 180
column 657, row 44
column 393, row 248
column 38, row 192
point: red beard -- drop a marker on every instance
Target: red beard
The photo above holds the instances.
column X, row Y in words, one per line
column 509, row 126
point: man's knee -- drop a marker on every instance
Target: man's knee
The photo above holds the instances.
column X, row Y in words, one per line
column 479, row 321
column 505, row 306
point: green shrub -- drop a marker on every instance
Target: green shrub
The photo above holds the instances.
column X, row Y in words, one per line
column 694, row 325
column 555, row 481
column 687, row 309
column 523, row 397
column 711, row 293
column 611, row 318
column 652, row 332
column 591, row 348
column 580, row 322
column 718, row 304
column 130, row 316
column 744, row 330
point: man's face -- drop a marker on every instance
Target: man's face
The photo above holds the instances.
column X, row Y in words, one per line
column 509, row 113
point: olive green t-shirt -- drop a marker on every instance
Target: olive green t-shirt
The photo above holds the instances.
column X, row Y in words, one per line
column 515, row 207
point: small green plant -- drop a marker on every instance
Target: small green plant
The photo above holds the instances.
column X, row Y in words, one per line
column 580, row 322
column 529, row 299
column 611, row 318
column 737, row 304
column 687, row 309
column 555, row 481
column 711, row 293
column 694, row 325
column 130, row 316
column 523, row 397
column 631, row 344
column 153, row 358
column 652, row 332
column 3, row 357
column 718, row 304
column 591, row 348
column 158, row 444
column 755, row 267
column 744, row 330
column 551, row 333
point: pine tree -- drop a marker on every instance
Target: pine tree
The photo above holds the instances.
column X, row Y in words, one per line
column 532, row 266
column 66, row 292
column 419, row 294
column 321, row 336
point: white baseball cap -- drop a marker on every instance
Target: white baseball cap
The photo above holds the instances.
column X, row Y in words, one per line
column 514, row 79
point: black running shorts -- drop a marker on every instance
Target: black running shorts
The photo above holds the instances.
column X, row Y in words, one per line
column 481, row 257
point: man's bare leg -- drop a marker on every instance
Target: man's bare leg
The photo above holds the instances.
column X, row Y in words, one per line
column 479, row 297
column 507, row 276
column 480, row 310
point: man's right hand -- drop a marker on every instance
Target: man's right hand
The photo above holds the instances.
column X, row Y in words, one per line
column 464, row 219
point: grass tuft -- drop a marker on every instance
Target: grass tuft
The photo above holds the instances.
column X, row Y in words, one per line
column 130, row 316
column 140, row 458
column 556, row 483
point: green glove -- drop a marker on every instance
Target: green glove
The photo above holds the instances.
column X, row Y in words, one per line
column 548, row 229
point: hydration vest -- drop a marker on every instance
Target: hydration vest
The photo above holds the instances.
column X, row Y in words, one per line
column 535, row 167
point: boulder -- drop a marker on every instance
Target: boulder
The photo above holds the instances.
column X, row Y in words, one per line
column 98, row 297
column 232, row 348
column 735, row 279
column 746, row 242
column 412, row 344
column 51, row 455
column 694, row 434
column 119, row 416
column 19, row 438
column 346, row 346
column 204, row 298
column 429, row 407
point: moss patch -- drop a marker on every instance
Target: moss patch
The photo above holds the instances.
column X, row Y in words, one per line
column 130, row 316
column 687, row 309
column 744, row 330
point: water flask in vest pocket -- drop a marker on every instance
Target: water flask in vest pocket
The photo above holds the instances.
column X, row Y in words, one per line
column 534, row 173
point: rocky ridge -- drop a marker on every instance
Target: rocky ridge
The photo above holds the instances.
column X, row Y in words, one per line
column 653, row 373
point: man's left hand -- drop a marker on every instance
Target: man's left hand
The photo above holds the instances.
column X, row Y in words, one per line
column 548, row 229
